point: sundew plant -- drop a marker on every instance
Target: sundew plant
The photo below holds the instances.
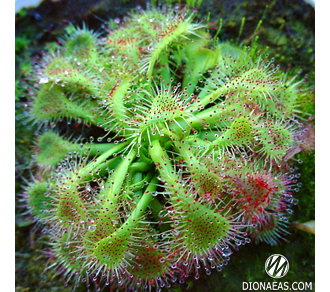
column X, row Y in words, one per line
column 186, row 152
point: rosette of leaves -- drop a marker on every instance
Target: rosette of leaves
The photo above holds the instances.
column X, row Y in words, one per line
column 189, row 163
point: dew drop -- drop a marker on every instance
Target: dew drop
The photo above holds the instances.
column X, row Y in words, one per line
column 226, row 252
column 92, row 228
column 43, row 80
column 294, row 201
column 210, row 258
